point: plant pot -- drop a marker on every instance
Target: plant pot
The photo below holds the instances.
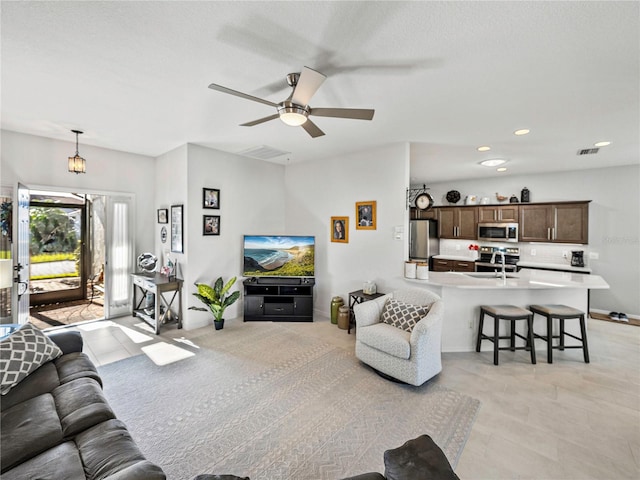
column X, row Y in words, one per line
column 219, row 325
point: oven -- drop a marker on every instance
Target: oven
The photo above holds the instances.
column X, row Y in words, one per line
column 511, row 258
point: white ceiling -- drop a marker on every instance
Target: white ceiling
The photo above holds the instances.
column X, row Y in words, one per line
column 444, row 76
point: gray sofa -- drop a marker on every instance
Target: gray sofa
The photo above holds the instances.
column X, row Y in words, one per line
column 56, row 424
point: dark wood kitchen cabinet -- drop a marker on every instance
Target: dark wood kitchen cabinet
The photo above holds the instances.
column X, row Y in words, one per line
column 458, row 222
column 566, row 222
column 448, row 265
column 498, row 213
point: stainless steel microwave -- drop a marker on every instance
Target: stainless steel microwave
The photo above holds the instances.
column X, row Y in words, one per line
column 498, row 232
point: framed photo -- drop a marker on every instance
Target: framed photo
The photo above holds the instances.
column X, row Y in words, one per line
column 163, row 215
column 210, row 198
column 340, row 229
column 366, row 215
column 211, row 224
column 177, row 244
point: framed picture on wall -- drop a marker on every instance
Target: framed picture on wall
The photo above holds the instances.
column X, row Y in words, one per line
column 177, row 242
column 210, row 198
column 340, row 229
column 163, row 215
column 366, row 215
column 211, row 224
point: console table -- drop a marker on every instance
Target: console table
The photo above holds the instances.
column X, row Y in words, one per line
column 159, row 285
column 358, row 297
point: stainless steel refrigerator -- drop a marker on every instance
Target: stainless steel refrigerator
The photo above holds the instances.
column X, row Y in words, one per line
column 423, row 239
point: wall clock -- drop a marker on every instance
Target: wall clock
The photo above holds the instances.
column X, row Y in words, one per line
column 424, row 201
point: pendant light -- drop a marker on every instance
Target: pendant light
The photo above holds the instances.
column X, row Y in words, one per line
column 77, row 163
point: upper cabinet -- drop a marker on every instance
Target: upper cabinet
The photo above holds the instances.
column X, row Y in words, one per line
column 458, row 222
column 498, row 213
column 556, row 223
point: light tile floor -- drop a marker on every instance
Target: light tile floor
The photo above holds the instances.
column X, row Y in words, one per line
column 566, row 420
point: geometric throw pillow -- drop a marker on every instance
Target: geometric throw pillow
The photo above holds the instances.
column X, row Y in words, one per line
column 22, row 352
column 403, row 315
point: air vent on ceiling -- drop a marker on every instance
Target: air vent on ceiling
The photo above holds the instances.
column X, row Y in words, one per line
column 588, row 151
column 262, row 152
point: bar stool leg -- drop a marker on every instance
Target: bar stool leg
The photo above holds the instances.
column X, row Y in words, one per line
column 481, row 324
column 496, row 340
column 562, row 334
column 530, row 335
column 549, row 339
column 583, row 331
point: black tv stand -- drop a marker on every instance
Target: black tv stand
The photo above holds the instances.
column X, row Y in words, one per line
column 277, row 299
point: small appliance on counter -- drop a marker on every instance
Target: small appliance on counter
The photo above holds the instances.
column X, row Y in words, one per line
column 577, row 258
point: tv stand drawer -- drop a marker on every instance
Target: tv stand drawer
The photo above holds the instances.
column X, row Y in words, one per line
column 283, row 308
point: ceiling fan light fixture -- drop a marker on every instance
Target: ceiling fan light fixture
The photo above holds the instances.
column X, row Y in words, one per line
column 77, row 164
column 292, row 114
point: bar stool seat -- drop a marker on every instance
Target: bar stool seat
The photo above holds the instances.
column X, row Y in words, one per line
column 562, row 313
column 511, row 313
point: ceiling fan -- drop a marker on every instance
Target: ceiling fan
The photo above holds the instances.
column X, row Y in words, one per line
column 295, row 110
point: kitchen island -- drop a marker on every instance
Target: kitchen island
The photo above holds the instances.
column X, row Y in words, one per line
column 463, row 293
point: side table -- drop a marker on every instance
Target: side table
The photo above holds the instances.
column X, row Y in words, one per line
column 358, row 297
column 158, row 285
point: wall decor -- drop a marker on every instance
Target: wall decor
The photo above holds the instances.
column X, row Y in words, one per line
column 340, row 229
column 210, row 198
column 211, row 224
column 163, row 234
column 163, row 215
column 176, row 229
column 366, row 215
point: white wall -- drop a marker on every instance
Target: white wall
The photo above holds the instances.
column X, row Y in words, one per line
column 318, row 190
column 38, row 161
column 252, row 201
column 614, row 221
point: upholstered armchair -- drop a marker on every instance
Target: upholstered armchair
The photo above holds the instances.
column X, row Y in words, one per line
column 387, row 340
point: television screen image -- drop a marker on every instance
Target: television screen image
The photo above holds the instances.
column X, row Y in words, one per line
column 278, row 256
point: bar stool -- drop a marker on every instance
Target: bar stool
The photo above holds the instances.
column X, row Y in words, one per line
column 510, row 313
column 562, row 313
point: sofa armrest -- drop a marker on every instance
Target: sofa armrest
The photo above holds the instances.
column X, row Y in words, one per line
column 68, row 341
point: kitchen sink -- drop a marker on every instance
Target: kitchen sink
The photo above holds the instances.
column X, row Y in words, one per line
column 489, row 275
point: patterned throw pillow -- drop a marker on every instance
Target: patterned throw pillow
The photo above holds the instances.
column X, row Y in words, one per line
column 402, row 315
column 22, row 352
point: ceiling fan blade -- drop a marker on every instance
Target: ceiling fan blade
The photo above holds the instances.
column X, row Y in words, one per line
column 308, row 84
column 260, row 120
column 312, row 129
column 222, row 89
column 354, row 113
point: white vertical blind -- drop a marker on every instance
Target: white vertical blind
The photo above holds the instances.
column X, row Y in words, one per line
column 119, row 258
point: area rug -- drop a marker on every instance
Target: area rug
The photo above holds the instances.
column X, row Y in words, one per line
column 264, row 401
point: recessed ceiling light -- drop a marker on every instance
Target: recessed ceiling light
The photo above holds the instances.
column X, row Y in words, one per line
column 484, row 148
column 522, row 131
column 601, row 144
column 494, row 162
column 501, row 169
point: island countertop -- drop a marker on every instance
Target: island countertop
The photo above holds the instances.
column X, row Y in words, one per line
column 524, row 279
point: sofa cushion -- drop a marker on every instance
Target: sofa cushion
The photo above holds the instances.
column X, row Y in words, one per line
column 49, row 376
column 418, row 459
column 108, row 451
column 402, row 315
column 28, row 429
column 22, row 352
column 61, row 462
column 387, row 339
column 81, row 405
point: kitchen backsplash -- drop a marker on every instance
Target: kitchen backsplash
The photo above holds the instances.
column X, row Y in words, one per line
column 529, row 252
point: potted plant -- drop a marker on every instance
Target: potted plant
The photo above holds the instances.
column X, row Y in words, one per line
column 216, row 298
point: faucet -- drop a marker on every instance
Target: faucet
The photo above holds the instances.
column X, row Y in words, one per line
column 493, row 261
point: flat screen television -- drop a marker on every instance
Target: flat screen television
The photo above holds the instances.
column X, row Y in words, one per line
column 278, row 256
